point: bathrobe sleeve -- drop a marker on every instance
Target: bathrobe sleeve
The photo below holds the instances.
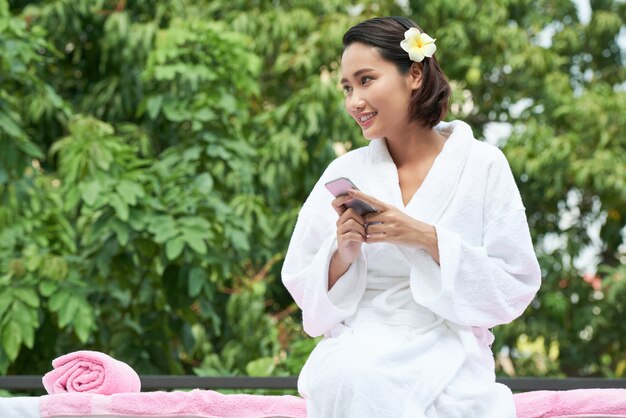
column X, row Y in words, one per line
column 488, row 284
column 305, row 270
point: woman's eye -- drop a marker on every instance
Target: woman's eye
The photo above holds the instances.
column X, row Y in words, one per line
column 347, row 89
column 365, row 79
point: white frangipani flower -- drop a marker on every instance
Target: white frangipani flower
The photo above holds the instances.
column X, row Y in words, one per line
column 419, row 45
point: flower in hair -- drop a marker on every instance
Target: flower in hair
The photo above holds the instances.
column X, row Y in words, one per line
column 419, row 45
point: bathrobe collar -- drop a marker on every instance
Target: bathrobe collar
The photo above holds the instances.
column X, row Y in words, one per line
column 436, row 192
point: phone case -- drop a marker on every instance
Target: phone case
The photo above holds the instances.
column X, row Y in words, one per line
column 340, row 186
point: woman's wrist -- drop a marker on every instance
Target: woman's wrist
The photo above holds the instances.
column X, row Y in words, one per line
column 427, row 240
column 432, row 246
column 336, row 269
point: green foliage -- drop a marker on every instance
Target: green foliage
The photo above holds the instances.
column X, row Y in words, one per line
column 154, row 155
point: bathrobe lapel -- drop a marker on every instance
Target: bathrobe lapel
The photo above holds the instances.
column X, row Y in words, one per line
column 436, row 192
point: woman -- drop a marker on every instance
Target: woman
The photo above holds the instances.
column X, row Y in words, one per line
column 405, row 296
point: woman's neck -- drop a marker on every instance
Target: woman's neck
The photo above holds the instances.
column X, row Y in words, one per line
column 414, row 145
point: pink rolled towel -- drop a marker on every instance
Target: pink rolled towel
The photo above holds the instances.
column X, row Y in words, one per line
column 91, row 372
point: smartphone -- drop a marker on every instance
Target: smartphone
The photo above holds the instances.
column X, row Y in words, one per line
column 340, row 186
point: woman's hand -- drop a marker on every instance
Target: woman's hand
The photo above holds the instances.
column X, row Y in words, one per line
column 392, row 225
column 350, row 238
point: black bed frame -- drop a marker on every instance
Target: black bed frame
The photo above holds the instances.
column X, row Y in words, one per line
column 168, row 382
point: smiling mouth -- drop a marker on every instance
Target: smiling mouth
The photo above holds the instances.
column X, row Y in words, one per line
column 366, row 117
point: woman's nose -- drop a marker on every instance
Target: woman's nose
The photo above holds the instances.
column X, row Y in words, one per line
column 356, row 102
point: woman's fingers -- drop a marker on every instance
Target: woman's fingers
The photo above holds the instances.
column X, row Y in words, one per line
column 350, row 237
column 389, row 224
column 378, row 204
column 374, row 218
column 338, row 204
column 349, row 225
column 350, row 214
column 374, row 229
column 349, row 232
column 350, row 229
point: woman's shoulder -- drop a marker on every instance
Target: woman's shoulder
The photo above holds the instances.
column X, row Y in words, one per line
column 351, row 159
column 480, row 152
column 488, row 153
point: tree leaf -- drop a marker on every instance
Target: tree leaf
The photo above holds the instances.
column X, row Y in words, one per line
column 204, row 182
column 47, row 288
column 6, row 297
column 197, row 279
column 174, row 247
column 121, row 209
column 261, row 367
column 68, row 311
column 28, row 296
column 84, row 322
column 129, row 191
column 195, row 223
column 239, row 239
column 9, row 126
column 153, row 104
column 11, row 339
column 163, row 228
column 90, row 191
column 122, row 231
column 27, row 320
column 196, row 243
column 57, row 301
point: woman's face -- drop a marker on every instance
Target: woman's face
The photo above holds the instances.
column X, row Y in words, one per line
column 377, row 95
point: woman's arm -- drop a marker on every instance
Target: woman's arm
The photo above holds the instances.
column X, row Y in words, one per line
column 393, row 226
column 307, row 268
column 477, row 285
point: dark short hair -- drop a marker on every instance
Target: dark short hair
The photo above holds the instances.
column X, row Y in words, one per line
column 429, row 104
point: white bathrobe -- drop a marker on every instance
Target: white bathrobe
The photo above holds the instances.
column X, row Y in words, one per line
column 404, row 336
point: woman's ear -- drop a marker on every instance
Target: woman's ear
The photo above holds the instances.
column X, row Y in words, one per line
column 415, row 74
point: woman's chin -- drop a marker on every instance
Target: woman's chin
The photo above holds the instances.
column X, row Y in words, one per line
column 370, row 135
column 368, row 132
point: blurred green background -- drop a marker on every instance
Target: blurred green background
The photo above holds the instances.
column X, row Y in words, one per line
column 154, row 156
